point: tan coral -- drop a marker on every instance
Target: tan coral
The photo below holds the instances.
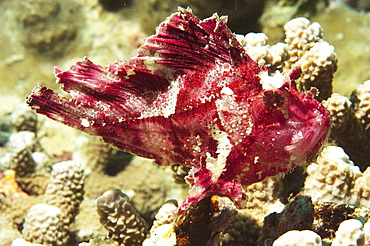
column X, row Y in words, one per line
column 309, row 51
column 22, row 242
column 361, row 103
column 331, row 177
column 31, row 168
column 43, row 225
column 24, row 119
column 243, row 230
column 119, row 217
column 366, row 230
column 92, row 152
column 348, row 130
column 8, row 231
column 65, row 191
column 179, row 173
column 262, row 198
column 360, row 194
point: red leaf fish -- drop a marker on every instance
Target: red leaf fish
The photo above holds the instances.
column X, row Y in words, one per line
column 192, row 95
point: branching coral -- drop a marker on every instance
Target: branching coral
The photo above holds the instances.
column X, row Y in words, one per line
column 272, row 57
column 44, row 225
column 49, row 223
column 120, row 218
column 31, row 166
column 312, row 54
column 332, row 177
column 350, row 123
column 65, row 191
column 304, row 47
column 92, row 152
column 24, row 119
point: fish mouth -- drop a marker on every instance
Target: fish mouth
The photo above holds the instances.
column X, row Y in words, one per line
column 308, row 138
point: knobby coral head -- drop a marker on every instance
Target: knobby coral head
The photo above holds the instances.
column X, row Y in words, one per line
column 193, row 96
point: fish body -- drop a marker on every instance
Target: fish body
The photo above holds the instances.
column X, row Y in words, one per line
column 193, row 96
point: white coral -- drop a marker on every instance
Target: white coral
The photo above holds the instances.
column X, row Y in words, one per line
column 298, row 238
column 349, row 233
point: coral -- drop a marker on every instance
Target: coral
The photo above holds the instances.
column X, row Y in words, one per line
column 22, row 242
column 86, row 225
column 360, row 99
column 8, row 231
column 262, row 198
column 332, row 177
column 360, row 193
column 349, row 233
column 348, row 130
column 120, row 218
column 301, row 238
column 100, row 242
column 366, row 229
column 92, row 152
column 24, row 119
column 44, row 225
column 272, row 57
column 243, row 230
column 31, row 167
column 179, row 173
column 48, row 28
column 312, row 54
column 233, row 133
column 49, row 223
column 9, row 188
column 65, row 191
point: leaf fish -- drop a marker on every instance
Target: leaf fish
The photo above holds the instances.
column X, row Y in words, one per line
column 193, row 96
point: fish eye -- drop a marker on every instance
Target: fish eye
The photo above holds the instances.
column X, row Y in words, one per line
column 273, row 98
